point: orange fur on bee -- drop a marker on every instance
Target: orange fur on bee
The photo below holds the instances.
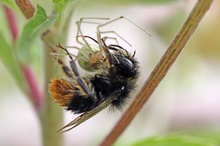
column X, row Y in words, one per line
column 61, row 90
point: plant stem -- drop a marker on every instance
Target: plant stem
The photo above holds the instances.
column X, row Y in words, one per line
column 12, row 23
column 35, row 92
column 52, row 114
column 160, row 70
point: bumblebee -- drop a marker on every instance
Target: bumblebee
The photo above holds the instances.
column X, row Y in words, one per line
column 87, row 95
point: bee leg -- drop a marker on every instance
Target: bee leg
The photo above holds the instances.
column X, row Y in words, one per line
column 79, row 80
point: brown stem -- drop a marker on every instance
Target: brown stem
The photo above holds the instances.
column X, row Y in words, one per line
column 160, row 70
column 26, row 8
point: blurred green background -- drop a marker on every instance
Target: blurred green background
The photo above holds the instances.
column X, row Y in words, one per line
column 186, row 102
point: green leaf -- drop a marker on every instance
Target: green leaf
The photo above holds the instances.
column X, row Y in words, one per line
column 146, row 1
column 123, row 2
column 208, row 134
column 64, row 9
column 32, row 30
column 7, row 56
column 175, row 140
column 59, row 4
column 11, row 4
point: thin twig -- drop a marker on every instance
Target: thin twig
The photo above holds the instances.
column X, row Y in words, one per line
column 160, row 70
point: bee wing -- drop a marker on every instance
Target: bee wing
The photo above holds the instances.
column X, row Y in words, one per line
column 85, row 116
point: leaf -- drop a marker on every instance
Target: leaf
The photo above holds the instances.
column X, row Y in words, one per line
column 32, row 30
column 145, row 1
column 64, row 9
column 207, row 134
column 123, row 2
column 59, row 4
column 8, row 58
column 175, row 140
column 12, row 4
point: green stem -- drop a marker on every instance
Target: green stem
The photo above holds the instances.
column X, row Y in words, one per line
column 52, row 114
column 52, row 117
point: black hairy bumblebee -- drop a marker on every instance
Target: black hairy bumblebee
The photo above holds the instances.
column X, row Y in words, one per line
column 115, row 72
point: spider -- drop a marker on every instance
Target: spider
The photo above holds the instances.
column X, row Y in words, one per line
column 92, row 57
column 111, row 85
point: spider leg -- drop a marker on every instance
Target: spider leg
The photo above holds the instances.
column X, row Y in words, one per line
column 113, row 32
column 104, row 38
column 65, row 68
column 109, row 58
column 79, row 31
column 112, row 38
column 117, row 48
column 99, row 38
column 105, row 48
column 122, row 17
column 89, row 38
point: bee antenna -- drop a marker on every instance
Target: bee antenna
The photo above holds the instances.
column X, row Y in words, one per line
column 134, row 54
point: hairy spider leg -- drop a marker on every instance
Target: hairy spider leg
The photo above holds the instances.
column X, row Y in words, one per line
column 112, row 38
column 111, row 21
column 80, row 34
column 113, row 32
column 79, row 80
column 104, row 47
column 86, row 44
column 104, row 38
column 55, row 53
column 102, row 44
column 89, row 55
column 107, row 53
column 79, row 50
column 65, row 68
column 79, row 31
column 122, row 17
column 122, row 50
column 109, row 58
